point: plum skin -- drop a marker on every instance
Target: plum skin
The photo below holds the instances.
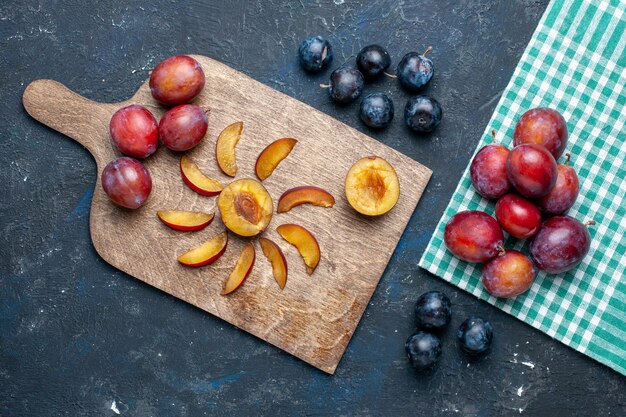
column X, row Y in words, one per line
column 473, row 236
column 423, row 350
column 488, row 171
column 315, row 53
column 560, row 245
column 183, row 127
column 376, row 110
column 542, row 126
column 433, row 311
column 134, row 131
column 414, row 71
column 508, row 275
column 346, row 85
column 177, row 80
column 518, row 217
column 531, row 169
column 422, row 114
column 372, row 61
column 564, row 193
column 127, row 182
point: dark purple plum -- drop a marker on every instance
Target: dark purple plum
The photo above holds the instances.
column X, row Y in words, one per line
column 315, row 53
column 346, row 85
column 423, row 350
column 475, row 336
column 422, row 114
column 414, row 70
column 372, row 61
column 376, row 110
column 560, row 245
column 433, row 311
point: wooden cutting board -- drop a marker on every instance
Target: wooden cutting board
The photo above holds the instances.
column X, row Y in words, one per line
column 314, row 317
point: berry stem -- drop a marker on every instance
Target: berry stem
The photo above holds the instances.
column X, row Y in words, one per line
column 568, row 158
column 430, row 48
column 390, row 75
column 501, row 250
column 493, row 136
column 325, row 85
column 590, row 222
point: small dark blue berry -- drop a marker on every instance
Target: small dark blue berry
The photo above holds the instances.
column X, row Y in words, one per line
column 372, row 61
column 315, row 53
column 376, row 110
column 422, row 113
column 423, row 349
column 432, row 311
column 475, row 335
column 414, row 71
column 346, row 85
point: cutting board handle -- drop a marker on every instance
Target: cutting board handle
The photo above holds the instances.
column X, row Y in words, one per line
column 56, row 106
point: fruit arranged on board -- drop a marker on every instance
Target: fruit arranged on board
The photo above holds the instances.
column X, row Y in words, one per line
column 275, row 256
column 531, row 169
column 509, row 274
column 423, row 350
column 518, row 217
column 542, row 126
column 422, row 114
column 182, row 127
column 273, row 155
column 186, row 221
column 475, row 336
column 564, row 193
column 196, row 180
column 488, row 170
column 372, row 61
column 560, row 245
column 134, row 131
column 473, row 236
column 241, row 270
column 315, row 53
column 176, row 80
column 376, row 110
column 372, row 187
column 225, row 148
column 246, row 207
column 206, row 253
column 346, row 85
column 304, row 241
column 306, row 194
column 433, row 311
column 527, row 182
column 414, row 70
column 127, row 182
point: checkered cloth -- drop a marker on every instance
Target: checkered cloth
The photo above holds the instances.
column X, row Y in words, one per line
column 575, row 63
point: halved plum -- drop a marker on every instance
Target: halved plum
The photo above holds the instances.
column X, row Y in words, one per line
column 246, row 207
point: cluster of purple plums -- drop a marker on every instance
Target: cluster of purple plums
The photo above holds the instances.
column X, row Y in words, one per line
column 422, row 113
column 533, row 192
column 433, row 313
column 135, row 132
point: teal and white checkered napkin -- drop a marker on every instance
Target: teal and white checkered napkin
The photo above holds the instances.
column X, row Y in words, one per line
column 575, row 63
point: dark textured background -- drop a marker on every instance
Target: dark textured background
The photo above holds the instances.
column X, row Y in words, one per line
column 76, row 335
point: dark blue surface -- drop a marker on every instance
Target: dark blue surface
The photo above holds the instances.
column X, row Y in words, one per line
column 79, row 338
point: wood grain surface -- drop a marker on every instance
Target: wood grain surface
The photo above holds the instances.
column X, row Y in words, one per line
column 314, row 317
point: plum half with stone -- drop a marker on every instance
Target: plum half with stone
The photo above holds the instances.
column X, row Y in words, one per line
column 245, row 207
column 372, row 186
column 473, row 236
